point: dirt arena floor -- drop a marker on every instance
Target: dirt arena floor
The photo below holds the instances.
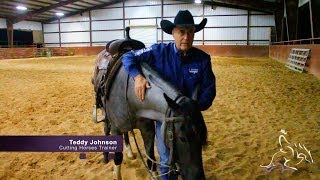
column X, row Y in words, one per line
column 256, row 98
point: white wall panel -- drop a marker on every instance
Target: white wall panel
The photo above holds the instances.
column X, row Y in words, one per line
column 99, row 43
column 147, row 35
column 159, row 34
column 141, row 22
column 51, row 38
column 3, row 23
column 142, row 3
column 198, row 35
column 143, row 12
column 78, row 17
column 28, row 25
column 225, row 42
column 169, row 19
column 105, row 14
column 197, row 43
column 172, row 10
column 262, row 20
column 50, row 27
column 260, row 33
column 222, row 21
column 51, row 45
column 75, row 37
column 75, row 45
column 167, row 37
column 197, row 20
column 115, row 5
column 106, row 35
column 107, row 25
column 171, row 2
column 225, row 34
column 223, row 11
column 76, row 26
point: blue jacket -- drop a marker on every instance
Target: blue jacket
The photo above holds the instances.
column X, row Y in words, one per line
column 185, row 72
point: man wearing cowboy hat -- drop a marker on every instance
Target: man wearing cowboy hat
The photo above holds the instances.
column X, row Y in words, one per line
column 179, row 63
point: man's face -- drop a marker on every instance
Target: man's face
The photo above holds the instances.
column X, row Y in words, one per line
column 183, row 37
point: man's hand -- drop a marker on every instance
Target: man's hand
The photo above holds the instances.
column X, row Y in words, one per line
column 140, row 85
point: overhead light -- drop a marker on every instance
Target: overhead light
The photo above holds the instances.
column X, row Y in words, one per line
column 21, row 8
column 59, row 14
column 197, row 1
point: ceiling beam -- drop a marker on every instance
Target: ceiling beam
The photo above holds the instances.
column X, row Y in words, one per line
column 86, row 10
column 256, row 5
column 41, row 10
column 262, row 6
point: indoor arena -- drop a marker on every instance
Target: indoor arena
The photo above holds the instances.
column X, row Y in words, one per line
column 264, row 122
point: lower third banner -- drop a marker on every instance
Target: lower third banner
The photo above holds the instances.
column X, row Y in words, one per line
column 61, row 143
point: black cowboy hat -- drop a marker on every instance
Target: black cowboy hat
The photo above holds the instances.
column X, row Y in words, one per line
column 183, row 18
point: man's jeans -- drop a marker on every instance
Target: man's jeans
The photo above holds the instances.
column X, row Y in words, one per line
column 164, row 153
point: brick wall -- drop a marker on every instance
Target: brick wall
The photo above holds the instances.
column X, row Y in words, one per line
column 236, row 50
column 16, row 53
column 214, row 50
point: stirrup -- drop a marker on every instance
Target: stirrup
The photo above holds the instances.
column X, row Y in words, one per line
column 94, row 115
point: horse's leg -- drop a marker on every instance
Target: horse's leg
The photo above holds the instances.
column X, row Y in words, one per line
column 118, row 157
column 127, row 146
column 107, row 129
column 148, row 134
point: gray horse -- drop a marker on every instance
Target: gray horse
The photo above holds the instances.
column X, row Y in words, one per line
column 183, row 127
column 104, row 64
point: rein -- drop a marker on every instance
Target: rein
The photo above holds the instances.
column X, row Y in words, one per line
column 169, row 133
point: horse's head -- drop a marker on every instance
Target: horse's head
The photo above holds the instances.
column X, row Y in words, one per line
column 185, row 133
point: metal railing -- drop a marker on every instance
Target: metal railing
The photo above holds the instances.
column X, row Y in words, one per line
column 298, row 41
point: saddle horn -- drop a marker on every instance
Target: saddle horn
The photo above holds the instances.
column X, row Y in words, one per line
column 126, row 44
column 127, row 35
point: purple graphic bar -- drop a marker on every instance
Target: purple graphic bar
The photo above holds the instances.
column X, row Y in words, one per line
column 61, row 143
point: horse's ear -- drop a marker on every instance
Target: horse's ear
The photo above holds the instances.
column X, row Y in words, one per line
column 170, row 102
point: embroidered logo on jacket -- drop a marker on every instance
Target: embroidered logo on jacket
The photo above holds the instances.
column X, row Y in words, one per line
column 139, row 52
column 193, row 70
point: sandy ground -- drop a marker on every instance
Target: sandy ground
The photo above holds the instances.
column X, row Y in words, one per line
column 256, row 98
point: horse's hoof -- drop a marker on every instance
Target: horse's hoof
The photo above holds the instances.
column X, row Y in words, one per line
column 117, row 172
column 131, row 157
column 129, row 153
column 105, row 158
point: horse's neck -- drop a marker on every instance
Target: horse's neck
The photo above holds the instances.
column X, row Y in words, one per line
column 164, row 86
column 154, row 106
